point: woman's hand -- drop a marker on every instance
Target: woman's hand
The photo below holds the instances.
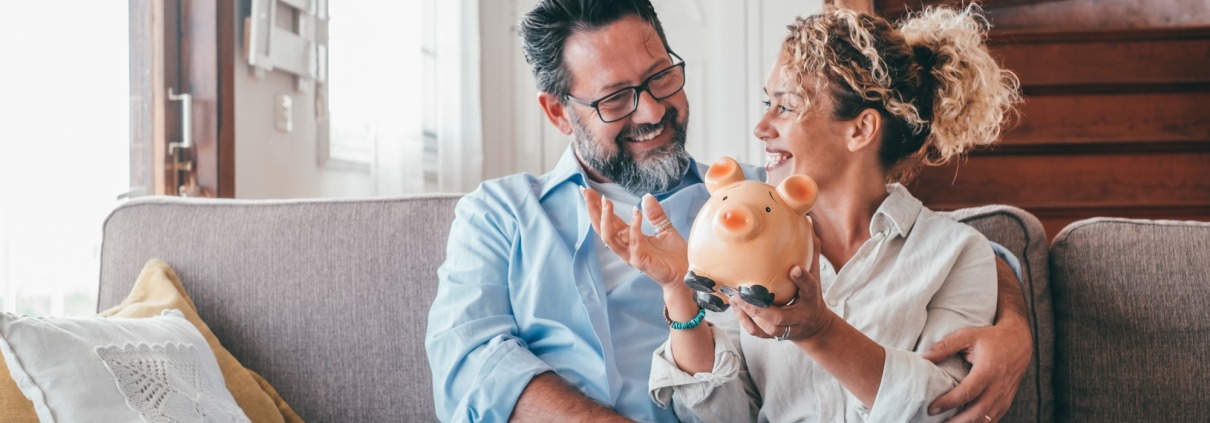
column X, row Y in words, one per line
column 663, row 256
column 804, row 317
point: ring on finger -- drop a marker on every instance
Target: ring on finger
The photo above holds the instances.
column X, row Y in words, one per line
column 662, row 226
column 785, row 335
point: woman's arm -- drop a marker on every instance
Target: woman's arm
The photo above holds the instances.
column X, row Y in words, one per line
column 701, row 366
column 847, row 354
column 663, row 257
column 868, row 370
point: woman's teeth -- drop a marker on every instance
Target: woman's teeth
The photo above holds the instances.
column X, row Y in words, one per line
column 774, row 159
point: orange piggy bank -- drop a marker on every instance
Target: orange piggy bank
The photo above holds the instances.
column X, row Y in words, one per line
column 747, row 236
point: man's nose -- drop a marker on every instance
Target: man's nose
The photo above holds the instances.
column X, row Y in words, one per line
column 649, row 110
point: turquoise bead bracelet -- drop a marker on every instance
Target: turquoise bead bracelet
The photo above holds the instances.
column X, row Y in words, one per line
column 697, row 320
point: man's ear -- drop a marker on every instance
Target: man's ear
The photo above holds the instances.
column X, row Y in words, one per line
column 555, row 112
column 864, row 130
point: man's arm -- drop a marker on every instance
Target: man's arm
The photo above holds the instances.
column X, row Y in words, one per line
column 479, row 363
column 548, row 398
column 1000, row 354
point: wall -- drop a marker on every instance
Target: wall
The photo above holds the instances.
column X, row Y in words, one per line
column 274, row 164
column 729, row 47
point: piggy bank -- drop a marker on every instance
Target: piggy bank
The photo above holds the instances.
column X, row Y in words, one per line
column 748, row 236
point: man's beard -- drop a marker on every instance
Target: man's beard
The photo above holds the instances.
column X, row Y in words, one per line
column 659, row 170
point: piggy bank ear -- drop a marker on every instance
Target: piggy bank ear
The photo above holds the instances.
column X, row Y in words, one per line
column 799, row 192
column 724, row 172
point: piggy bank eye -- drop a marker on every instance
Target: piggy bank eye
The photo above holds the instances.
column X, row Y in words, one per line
column 768, row 210
column 724, row 198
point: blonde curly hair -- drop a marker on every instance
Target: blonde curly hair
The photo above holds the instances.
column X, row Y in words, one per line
column 931, row 77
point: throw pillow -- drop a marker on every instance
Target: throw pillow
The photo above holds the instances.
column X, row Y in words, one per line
column 14, row 407
column 159, row 288
column 120, row 369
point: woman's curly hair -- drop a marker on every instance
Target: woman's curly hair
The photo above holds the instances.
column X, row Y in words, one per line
column 931, row 77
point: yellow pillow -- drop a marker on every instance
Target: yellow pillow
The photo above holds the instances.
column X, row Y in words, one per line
column 159, row 288
column 14, row 407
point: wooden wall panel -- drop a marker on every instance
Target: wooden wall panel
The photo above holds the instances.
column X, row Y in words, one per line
column 1103, row 14
column 1061, row 188
column 1113, row 180
column 896, row 8
column 1115, row 123
column 1104, row 59
column 1131, row 118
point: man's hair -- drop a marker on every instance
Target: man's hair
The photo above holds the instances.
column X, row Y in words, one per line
column 545, row 29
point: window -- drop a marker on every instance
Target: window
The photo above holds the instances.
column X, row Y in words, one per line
column 380, row 89
column 65, row 155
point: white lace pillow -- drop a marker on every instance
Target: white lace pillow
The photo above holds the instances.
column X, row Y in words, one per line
column 156, row 369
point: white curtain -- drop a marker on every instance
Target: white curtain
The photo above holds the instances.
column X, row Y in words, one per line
column 459, row 119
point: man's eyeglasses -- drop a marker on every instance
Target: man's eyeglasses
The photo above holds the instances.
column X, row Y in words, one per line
column 622, row 103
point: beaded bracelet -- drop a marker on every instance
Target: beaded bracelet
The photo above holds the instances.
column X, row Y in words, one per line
column 697, row 320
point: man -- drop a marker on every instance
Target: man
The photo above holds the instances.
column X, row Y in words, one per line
column 535, row 320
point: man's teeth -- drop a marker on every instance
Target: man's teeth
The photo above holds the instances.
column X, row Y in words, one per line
column 772, row 159
column 648, row 136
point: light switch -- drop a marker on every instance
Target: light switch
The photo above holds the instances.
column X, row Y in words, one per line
column 284, row 113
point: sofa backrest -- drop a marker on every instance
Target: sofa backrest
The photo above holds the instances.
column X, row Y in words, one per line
column 1023, row 234
column 1132, row 320
column 327, row 299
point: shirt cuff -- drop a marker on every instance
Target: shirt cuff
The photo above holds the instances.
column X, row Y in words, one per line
column 510, row 370
column 667, row 379
column 909, row 384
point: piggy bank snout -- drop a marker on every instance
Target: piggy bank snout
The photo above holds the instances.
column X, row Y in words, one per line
column 736, row 223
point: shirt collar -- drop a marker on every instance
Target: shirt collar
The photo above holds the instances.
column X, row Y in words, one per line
column 898, row 211
column 569, row 170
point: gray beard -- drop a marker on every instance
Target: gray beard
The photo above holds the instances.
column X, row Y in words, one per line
column 661, row 169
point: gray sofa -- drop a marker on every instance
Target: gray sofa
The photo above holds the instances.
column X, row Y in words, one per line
column 327, row 299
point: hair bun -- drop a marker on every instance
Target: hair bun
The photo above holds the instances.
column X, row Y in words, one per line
column 924, row 56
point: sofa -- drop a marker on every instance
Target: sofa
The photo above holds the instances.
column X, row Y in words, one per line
column 328, row 300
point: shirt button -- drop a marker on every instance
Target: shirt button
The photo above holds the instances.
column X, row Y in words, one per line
column 832, row 303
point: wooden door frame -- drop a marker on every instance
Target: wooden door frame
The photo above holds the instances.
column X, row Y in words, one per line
column 187, row 46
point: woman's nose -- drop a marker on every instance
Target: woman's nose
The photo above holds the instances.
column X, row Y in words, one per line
column 763, row 130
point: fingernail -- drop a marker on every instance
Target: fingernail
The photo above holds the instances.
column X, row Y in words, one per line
column 796, row 271
column 934, row 411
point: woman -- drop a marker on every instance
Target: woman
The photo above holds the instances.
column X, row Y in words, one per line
column 859, row 105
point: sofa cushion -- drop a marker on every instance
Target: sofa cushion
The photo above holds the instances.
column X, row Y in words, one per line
column 1131, row 319
column 326, row 298
column 91, row 369
column 158, row 288
column 1023, row 234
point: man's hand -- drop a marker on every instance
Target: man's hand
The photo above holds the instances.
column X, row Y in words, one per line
column 663, row 256
column 1000, row 354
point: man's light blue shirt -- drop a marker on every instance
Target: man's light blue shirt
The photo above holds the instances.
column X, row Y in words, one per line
column 521, row 293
